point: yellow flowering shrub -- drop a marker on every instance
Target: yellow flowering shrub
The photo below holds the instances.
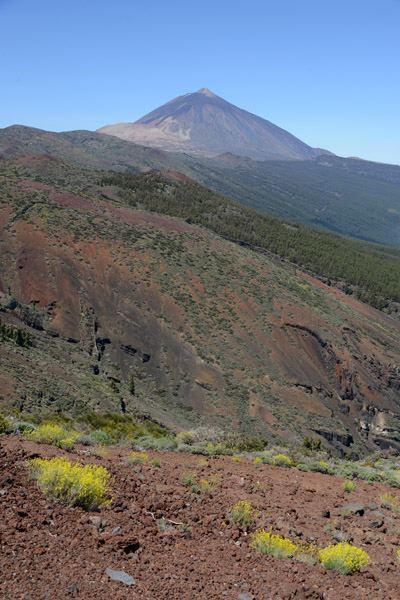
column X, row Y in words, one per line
column 242, row 513
column 49, row 433
column 390, row 501
column 211, row 484
column 71, row 484
column 235, row 459
column 67, row 444
column 281, row 460
column 268, row 543
column 137, row 458
column 257, row 462
column 349, row 486
column 343, row 557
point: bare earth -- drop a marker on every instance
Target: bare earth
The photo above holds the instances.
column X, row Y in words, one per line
column 55, row 552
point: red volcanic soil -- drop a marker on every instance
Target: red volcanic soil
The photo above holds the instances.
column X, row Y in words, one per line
column 177, row 176
column 50, row 551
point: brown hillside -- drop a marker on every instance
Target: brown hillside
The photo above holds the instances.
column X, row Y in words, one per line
column 206, row 330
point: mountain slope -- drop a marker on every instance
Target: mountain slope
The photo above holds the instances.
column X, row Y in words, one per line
column 205, row 124
column 356, row 198
column 205, row 330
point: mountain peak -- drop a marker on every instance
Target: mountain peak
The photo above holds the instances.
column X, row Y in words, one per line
column 206, row 92
column 205, row 124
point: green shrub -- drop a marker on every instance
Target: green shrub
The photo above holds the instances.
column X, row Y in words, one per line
column 72, row 484
column 165, row 443
column 22, row 426
column 311, row 444
column 188, row 477
column 303, row 467
column 144, row 443
column 4, row 424
column 321, row 467
column 343, row 557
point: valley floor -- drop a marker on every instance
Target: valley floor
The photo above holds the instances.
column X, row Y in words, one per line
column 55, row 552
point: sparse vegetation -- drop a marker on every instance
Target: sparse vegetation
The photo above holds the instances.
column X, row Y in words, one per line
column 138, row 458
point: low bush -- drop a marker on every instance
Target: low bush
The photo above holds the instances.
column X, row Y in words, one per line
column 349, row 486
column 185, row 437
column 268, row 543
column 281, row 460
column 390, row 501
column 4, row 424
column 321, row 467
column 188, row 477
column 21, row 426
column 87, row 486
column 67, row 444
column 210, row 485
column 257, row 462
column 137, row 458
column 101, row 437
column 242, row 513
column 343, row 557
column 303, row 467
column 53, row 434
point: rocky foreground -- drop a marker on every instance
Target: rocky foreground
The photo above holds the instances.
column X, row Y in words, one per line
column 159, row 539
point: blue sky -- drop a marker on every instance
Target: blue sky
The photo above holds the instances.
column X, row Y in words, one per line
column 328, row 72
